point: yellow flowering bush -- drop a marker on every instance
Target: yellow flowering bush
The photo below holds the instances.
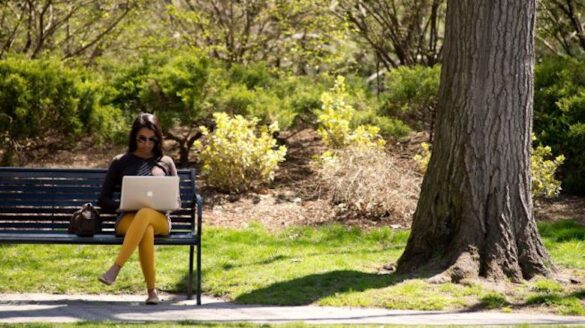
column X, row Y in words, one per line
column 236, row 158
column 335, row 121
column 544, row 183
column 355, row 172
column 423, row 157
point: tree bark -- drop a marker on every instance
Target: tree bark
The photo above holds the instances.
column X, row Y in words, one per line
column 475, row 216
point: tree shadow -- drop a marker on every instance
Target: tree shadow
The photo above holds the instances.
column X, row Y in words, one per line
column 310, row 288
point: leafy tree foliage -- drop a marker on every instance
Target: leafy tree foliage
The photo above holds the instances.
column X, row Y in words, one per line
column 561, row 28
column 64, row 28
column 299, row 35
column 399, row 32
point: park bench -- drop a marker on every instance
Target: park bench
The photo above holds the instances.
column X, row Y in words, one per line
column 37, row 203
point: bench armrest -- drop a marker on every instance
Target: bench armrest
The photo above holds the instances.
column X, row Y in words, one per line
column 199, row 214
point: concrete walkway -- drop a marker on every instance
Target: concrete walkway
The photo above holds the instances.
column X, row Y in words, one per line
column 15, row 308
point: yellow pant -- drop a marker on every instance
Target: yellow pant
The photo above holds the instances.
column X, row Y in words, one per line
column 139, row 229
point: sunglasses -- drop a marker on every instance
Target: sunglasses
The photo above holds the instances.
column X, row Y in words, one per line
column 143, row 139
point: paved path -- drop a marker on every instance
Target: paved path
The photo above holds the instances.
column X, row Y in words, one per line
column 16, row 308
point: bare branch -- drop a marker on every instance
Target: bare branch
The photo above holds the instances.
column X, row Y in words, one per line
column 101, row 35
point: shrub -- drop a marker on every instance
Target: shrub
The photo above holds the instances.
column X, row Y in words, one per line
column 263, row 104
column 368, row 183
column 423, row 157
column 96, row 112
column 412, row 94
column 235, row 158
column 131, row 82
column 559, row 113
column 389, row 127
column 335, row 120
column 178, row 89
column 543, row 170
column 357, row 175
column 544, row 183
column 44, row 102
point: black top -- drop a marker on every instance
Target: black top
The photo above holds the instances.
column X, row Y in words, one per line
column 130, row 164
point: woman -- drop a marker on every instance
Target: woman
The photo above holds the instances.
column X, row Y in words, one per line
column 144, row 157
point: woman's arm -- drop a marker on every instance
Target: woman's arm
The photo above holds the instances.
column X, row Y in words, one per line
column 173, row 172
column 172, row 167
column 112, row 179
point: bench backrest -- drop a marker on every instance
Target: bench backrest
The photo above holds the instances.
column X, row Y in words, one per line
column 44, row 199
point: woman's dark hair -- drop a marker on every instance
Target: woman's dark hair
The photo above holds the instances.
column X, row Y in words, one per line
column 149, row 121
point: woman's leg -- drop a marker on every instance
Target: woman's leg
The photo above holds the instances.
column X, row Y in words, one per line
column 146, row 252
column 139, row 229
column 109, row 277
column 136, row 229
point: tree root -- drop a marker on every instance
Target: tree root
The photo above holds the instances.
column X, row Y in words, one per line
column 465, row 269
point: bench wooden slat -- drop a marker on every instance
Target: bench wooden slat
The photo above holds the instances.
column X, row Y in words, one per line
column 69, row 210
column 24, row 172
column 67, row 216
column 68, row 189
column 62, row 226
column 89, row 196
column 61, row 203
column 34, row 237
column 80, row 184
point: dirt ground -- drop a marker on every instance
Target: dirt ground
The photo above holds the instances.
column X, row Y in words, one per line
column 294, row 198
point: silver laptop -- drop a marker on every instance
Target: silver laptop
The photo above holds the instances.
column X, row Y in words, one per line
column 157, row 192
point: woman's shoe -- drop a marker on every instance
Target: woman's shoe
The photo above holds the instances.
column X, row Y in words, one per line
column 152, row 300
column 110, row 276
column 105, row 280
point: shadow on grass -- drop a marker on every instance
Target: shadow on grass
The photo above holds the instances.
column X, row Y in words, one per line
column 308, row 289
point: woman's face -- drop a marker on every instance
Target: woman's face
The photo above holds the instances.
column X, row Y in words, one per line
column 145, row 140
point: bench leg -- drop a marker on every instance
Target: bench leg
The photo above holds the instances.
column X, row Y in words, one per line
column 199, row 273
column 190, row 278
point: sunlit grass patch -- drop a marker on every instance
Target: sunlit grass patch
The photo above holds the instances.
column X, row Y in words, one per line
column 565, row 242
column 561, row 303
column 411, row 294
column 549, row 293
column 547, row 286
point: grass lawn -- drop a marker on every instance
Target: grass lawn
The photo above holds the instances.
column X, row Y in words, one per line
column 330, row 265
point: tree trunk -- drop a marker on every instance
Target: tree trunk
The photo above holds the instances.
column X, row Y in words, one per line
column 183, row 154
column 474, row 216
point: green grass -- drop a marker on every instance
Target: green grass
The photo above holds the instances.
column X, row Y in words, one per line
column 494, row 301
column 330, row 265
column 565, row 241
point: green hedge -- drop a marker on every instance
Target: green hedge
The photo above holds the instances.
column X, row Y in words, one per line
column 559, row 116
column 43, row 101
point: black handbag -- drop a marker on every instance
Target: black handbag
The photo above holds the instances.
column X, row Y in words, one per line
column 85, row 222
